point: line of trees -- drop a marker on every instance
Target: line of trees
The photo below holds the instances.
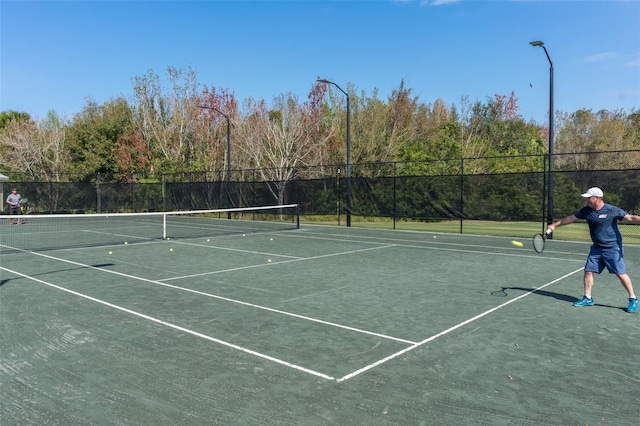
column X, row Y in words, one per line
column 165, row 130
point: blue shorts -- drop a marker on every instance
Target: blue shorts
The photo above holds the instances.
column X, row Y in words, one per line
column 610, row 257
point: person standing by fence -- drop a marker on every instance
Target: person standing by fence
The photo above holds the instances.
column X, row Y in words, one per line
column 14, row 200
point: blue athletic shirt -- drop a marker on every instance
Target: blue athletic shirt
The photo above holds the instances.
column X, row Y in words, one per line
column 603, row 224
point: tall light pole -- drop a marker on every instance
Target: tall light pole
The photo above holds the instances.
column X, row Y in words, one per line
column 348, row 175
column 229, row 205
column 551, row 136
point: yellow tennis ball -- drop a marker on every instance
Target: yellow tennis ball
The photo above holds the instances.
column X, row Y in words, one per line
column 271, row 239
column 517, row 243
column 170, row 249
column 110, row 252
column 125, row 243
column 269, row 260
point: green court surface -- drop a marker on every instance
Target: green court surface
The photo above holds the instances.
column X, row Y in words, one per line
column 320, row 325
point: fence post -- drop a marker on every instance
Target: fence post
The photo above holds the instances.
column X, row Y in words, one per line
column 164, row 192
column 395, row 206
column 338, row 206
column 544, row 192
column 461, row 192
column 51, row 197
column 98, row 195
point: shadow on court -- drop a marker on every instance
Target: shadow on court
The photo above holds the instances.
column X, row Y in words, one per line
column 558, row 296
column 98, row 265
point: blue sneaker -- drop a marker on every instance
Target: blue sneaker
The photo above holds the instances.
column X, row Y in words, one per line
column 585, row 301
column 633, row 305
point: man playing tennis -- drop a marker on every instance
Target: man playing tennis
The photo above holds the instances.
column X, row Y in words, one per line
column 607, row 250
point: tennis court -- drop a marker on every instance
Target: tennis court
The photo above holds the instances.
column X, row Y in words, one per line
column 316, row 325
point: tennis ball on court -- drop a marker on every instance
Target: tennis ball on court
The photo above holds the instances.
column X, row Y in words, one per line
column 271, row 239
column 170, row 249
column 208, row 240
column 110, row 252
column 243, row 235
column 517, row 243
column 434, row 236
column 125, row 243
column 269, row 260
column 168, row 238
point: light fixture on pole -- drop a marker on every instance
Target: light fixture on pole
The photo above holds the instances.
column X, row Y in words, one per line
column 551, row 137
column 228, row 190
column 348, row 174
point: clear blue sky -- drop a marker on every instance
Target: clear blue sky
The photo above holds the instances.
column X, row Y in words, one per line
column 57, row 54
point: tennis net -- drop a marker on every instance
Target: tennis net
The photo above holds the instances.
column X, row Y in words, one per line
column 46, row 232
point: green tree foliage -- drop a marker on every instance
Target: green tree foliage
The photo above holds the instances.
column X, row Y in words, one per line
column 434, row 154
column 586, row 131
column 369, row 132
column 8, row 116
column 485, row 131
column 390, row 126
column 94, row 138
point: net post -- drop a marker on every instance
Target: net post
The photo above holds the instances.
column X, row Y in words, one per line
column 297, row 213
column 164, row 226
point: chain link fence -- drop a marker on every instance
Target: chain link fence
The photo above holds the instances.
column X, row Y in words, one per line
column 488, row 188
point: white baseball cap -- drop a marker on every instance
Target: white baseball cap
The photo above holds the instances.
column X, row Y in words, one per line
column 593, row 192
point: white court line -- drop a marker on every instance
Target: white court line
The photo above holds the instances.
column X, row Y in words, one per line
column 262, row 265
column 449, row 330
column 176, row 327
column 133, row 237
column 438, row 246
column 227, row 299
column 186, row 243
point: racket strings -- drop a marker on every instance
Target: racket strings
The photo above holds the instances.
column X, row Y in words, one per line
column 538, row 243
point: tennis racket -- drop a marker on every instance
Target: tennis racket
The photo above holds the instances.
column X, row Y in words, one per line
column 539, row 241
